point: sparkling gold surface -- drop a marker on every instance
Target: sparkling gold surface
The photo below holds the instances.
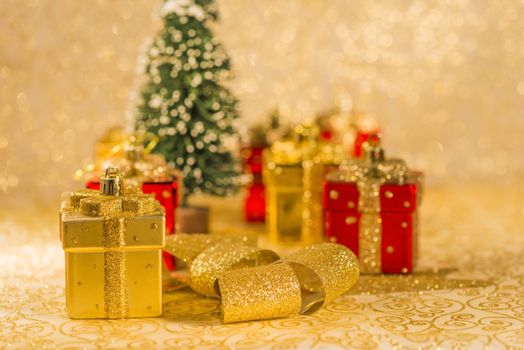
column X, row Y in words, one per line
column 316, row 274
column 370, row 228
column 93, row 231
column 77, row 196
column 472, row 234
column 335, row 266
column 445, row 80
column 188, row 246
column 115, row 274
column 141, row 203
column 253, row 285
column 100, row 206
column 115, row 282
column 205, row 269
column 262, row 292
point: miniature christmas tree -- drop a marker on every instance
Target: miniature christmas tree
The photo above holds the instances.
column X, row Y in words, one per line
column 183, row 102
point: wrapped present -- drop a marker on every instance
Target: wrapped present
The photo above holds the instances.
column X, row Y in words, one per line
column 113, row 240
column 255, row 201
column 293, row 174
column 370, row 206
column 152, row 174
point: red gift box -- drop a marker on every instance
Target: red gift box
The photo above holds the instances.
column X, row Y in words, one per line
column 370, row 206
column 167, row 194
column 255, row 203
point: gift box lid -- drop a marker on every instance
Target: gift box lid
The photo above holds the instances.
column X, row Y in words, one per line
column 111, row 219
column 400, row 187
column 83, row 233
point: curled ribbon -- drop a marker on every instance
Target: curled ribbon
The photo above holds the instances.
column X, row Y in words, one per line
column 114, row 212
column 256, row 284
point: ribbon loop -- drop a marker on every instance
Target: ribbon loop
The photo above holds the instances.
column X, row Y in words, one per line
column 326, row 269
column 207, row 266
column 262, row 292
column 254, row 284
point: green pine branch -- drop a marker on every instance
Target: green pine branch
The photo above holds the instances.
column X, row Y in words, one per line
column 183, row 101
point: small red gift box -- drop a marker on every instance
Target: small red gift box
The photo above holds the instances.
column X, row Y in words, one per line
column 255, row 202
column 370, row 206
column 167, row 194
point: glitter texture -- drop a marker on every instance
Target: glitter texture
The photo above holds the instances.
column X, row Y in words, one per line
column 141, row 203
column 188, row 246
column 465, row 293
column 253, row 285
column 335, row 266
column 99, row 223
column 115, row 276
column 369, row 177
column 444, row 78
column 76, row 196
column 204, row 270
column 259, row 293
column 100, row 206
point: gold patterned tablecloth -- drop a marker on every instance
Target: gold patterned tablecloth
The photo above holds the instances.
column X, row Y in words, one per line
column 468, row 291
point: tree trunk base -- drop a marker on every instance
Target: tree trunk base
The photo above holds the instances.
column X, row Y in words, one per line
column 193, row 219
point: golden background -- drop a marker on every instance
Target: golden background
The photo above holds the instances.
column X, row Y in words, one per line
column 446, row 79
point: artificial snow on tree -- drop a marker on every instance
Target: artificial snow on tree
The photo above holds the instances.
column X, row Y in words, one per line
column 183, row 102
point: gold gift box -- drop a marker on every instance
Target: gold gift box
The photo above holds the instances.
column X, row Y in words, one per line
column 113, row 255
column 293, row 173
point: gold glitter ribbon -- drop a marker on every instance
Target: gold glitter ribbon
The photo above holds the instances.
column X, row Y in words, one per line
column 369, row 177
column 114, row 211
column 256, row 284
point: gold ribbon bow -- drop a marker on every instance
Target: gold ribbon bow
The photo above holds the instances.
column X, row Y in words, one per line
column 370, row 173
column 256, row 284
column 114, row 211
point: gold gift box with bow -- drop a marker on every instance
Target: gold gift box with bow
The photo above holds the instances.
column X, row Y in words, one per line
column 293, row 173
column 113, row 242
